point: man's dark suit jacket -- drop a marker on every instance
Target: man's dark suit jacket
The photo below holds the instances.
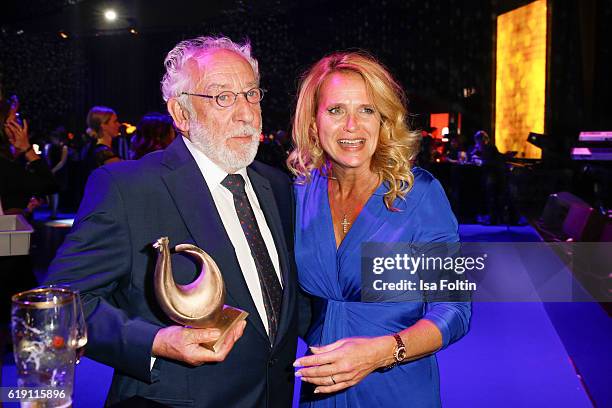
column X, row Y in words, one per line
column 108, row 256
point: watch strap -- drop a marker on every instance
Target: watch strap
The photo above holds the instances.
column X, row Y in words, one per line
column 399, row 344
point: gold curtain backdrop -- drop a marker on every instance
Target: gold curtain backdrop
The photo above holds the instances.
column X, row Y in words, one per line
column 520, row 80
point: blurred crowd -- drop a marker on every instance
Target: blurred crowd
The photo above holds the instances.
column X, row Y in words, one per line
column 57, row 166
column 54, row 170
column 479, row 163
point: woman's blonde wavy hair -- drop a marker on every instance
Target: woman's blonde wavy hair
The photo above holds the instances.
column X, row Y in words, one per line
column 397, row 145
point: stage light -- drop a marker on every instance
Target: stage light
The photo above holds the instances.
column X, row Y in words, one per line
column 467, row 92
column 63, row 223
column 129, row 128
column 110, row 15
column 63, row 35
column 133, row 31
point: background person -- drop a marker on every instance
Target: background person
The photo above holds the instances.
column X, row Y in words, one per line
column 56, row 152
column 494, row 182
column 23, row 174
column 103, row 125
column 22, row 171
column 155, row 131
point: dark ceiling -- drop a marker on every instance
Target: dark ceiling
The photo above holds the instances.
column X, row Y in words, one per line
column 86, row 17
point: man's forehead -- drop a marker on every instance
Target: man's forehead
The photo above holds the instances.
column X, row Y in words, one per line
column 217, row 67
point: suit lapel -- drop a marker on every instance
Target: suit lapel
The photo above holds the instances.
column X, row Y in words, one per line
column 195, row 204
column 266, row 199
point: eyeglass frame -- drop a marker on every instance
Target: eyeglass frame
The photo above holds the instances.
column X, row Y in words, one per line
column 236, row 94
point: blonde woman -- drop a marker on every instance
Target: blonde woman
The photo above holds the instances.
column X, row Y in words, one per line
column 103, row 125
column 355, row 184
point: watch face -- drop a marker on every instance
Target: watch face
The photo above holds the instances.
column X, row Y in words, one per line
column 400, row 354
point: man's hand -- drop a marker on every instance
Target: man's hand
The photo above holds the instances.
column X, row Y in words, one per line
column 185, row 344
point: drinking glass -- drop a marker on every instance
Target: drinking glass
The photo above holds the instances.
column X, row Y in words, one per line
column 48, row 328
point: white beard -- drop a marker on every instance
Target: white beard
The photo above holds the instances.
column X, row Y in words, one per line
column 219, row 152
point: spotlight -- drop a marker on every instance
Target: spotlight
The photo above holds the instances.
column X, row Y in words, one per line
column 63, row 35
column 133, row 31
column 110, row 15
column 129, row 128
column 467, row 92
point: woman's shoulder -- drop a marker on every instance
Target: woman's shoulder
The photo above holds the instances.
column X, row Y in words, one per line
column 102, row 153
column 100, row 147
column 303, row 183
column 422, row 177
column 424, row 185
column 310, row 190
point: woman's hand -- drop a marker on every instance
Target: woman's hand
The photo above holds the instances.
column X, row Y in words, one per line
column 17, row 135
column 344, row 363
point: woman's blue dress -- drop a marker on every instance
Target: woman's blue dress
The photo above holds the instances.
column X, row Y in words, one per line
column 333, row 277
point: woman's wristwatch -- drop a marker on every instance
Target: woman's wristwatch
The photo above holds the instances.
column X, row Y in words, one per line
column 399, row 354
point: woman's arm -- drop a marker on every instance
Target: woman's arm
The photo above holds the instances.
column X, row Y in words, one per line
column 346, row 362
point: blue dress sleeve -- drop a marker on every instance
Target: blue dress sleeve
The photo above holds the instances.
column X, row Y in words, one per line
column 440, row 225
column 451, row 318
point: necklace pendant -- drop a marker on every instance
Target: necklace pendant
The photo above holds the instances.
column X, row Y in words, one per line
column 345, row 224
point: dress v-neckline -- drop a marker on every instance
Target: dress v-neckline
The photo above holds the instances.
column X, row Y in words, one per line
column 330, row 221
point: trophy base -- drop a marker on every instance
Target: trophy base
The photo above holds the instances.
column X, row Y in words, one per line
column 230, row 317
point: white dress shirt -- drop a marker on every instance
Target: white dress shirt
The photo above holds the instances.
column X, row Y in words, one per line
column 224, row 201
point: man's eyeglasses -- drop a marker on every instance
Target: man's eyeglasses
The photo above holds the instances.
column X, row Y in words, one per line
column 227, row 98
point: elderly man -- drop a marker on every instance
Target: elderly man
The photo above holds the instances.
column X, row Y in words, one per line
column 203, row 189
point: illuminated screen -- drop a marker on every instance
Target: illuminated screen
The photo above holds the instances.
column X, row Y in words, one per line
column 439, row 121
column 520, row 80
column 444, row 120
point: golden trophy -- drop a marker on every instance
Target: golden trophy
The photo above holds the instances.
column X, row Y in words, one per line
column 199, row 304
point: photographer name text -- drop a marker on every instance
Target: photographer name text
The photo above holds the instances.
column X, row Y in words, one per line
column 407, row 285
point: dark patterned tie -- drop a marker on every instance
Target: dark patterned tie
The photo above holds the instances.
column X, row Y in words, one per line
column 270, row 286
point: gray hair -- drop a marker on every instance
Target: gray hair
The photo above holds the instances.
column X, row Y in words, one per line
column 177, row 80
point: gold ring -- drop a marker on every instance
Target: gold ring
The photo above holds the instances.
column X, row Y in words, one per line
column 332, row 378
